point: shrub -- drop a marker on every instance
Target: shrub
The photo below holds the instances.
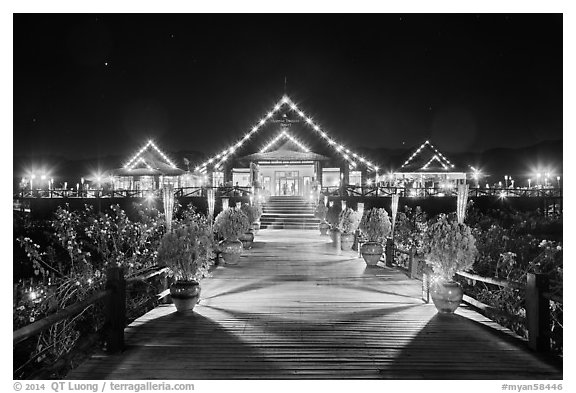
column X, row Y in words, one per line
column 321, row 211
column 348, row 221
column 187, row 250
column 376, row 225
column 332, row 216
column 231, row 223
column 450, row 247
column 253, row 212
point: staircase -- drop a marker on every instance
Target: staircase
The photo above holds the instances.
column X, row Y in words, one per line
column 288, row 212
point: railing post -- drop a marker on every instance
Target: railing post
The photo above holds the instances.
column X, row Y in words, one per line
column 115, row 309
column 537, row 312
column 413, row 263
column 389, row 252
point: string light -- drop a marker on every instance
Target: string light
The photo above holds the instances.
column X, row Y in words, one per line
column 285, row 100
column 439, row 156
column 284, row 134
column 432, row 159
column 134, row 159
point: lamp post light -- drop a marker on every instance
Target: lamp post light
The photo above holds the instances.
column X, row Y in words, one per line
column 32, row 177
column 538, row 178
column 506, row 181
column 512, row 181
column 558, row 180
column 529, row 181
column 546, row 179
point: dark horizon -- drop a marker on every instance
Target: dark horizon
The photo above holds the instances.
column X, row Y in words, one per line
column 97, row 85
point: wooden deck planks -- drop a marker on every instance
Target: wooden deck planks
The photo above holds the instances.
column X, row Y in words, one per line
column 292, row 308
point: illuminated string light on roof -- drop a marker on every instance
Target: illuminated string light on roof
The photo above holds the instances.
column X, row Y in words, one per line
column 142, row 150
column 286, row 100
column 432, row 159
column 140, row 160
column 439, row 156
column 285, row 134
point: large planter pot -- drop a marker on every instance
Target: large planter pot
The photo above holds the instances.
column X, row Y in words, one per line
column 371, row 252
column 247, row 239
column 185, row 295
column 323, row 228
column 333, row 234
column 231, row 251
column 446, row 295
column 256, row 227
column 346, row 242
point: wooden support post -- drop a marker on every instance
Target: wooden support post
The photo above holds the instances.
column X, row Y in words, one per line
column 413, row 263
column 115, row 309
column 389, row 252
column 537, row 312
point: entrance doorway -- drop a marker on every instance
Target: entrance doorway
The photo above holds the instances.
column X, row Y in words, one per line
column 287, row 186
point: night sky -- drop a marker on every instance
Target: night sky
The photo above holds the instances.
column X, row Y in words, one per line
column 94, row 85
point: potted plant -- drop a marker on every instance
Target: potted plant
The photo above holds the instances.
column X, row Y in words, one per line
column 187, row 252
column 253, row 213
column 320, row 213
column 376, row 226
column 348, row 222
column 332, row 219
column 229, row 225
column 449, row 247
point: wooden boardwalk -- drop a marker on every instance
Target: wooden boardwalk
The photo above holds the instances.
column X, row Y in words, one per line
column 292, row 308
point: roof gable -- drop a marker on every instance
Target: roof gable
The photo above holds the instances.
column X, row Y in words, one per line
column 352, row 158
column 427, row 158
column 149, row 154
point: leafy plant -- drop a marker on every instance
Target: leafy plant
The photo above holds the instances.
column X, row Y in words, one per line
column 376, row 225
column 332, row 216
column 348, row 221
column 253, row 212
column 187, row 250
column 450, row 247
column 231, row 223
column 321, row 211
column 410, row 228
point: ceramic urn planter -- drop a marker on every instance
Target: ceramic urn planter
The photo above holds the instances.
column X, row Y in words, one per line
column 346, row 242
column 446, row 295
column 185, row 295
column 230, row 250
column 247, row 239
column 371, row 252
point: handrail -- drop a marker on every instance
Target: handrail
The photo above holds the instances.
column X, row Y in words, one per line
column 115, row 308
column 45, row 323
column 490, row 280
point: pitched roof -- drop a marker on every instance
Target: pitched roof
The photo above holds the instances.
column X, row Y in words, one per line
column 284, row 107
column 149, row 160
column 286, row 155
column 427, row 158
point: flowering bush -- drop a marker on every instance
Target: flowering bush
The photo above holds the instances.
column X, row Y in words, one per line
column 348, row 221
column 376, row 225
column 450, row 247
column 187, row 250
column 71, row 266
column 231, row 223
column 332, row 216
column 410, row 228
column 320, row 211
column 253, row 212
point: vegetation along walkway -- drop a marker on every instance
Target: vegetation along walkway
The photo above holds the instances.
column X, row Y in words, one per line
column 292, row 308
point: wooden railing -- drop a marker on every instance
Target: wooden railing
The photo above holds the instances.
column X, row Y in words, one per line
column 225, row 191
column 114, row 298
column 536, row 287
column 385, row 191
